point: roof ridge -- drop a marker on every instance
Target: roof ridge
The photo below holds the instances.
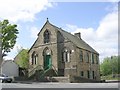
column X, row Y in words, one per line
column 82, row 41
column 75, row 40
column 62, row 30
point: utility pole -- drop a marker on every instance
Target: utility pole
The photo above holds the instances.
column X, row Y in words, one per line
column 0, row 51
column 112, row 65
column 1, row 59
column 0, row 55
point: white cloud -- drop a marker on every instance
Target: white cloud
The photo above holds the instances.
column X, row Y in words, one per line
column 17, row 47
column 108, row 26
column 105, row 38
column 86, row 33
column 34, row 31
column 24, row 10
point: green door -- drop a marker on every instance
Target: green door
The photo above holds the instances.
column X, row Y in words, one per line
column 47, row 62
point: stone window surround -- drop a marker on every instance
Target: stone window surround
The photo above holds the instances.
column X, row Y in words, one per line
column 46, row 36
column 87, row 57
column 81, row 55
column 66, row 55
column 34, row 58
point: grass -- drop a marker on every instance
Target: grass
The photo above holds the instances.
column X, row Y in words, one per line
column 109, row 77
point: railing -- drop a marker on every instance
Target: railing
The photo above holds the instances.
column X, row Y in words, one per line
column 34, row 70
column 47, row 69
column 55, row 70
column 44, row 70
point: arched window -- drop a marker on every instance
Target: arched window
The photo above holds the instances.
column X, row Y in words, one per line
column 66, row 55
column 34, row 58
column 46, row 36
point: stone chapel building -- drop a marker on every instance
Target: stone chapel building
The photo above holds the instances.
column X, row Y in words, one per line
column 58, row 53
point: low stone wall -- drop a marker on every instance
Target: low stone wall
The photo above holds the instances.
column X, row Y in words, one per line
column 20, row 78
column 82, row 80
column 60, row 79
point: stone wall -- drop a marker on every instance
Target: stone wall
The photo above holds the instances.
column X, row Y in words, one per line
column 39, row 46
column 57, row 44
column 86, row 66
column 75, row 79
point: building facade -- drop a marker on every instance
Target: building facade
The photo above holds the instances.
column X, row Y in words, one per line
column 64, row 54
column 10, row 68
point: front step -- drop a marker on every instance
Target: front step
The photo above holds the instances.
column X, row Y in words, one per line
column 60, row 79
column 46, row 74
column 41, row 74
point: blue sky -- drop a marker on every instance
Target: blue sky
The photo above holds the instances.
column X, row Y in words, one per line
column 95, row 20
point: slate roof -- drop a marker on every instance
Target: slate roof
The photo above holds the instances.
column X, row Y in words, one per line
column 75, row 40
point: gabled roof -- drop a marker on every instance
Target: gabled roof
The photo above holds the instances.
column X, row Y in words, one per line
column 47, row 22
column 75, row 40
column 78, row 42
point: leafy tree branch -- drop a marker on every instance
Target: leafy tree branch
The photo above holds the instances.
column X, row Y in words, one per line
column 8, row 36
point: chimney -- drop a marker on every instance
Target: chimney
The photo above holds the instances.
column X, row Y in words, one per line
column 78, row 35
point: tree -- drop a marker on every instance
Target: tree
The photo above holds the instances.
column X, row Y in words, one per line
column 106, row 66
column 9, row 36
column 110, row 65
column 22, row 59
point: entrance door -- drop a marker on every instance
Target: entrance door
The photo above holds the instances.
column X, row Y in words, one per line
column 47, row 62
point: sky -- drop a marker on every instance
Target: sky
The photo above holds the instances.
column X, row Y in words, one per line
column 96, row 21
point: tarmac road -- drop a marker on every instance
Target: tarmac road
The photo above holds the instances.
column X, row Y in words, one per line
column 60, row 85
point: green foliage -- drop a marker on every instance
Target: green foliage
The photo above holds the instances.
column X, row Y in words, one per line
column 110, row 65
column 23, row 58
column 110, row 77
column 9, row 35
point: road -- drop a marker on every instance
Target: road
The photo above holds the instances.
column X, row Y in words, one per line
column 59, row 85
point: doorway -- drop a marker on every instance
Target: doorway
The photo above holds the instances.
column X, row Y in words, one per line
column 47, row 62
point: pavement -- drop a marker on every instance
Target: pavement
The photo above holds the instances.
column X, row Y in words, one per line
column 31, row 85
column 60, row 85
column 112, row 81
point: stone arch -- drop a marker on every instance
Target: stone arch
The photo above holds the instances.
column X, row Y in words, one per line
column 34, row 57
column 47, row 51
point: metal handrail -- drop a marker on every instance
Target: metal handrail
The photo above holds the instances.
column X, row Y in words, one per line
column 44, row 70
column 55, row 69
column 34, row 69
column 49, row 67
